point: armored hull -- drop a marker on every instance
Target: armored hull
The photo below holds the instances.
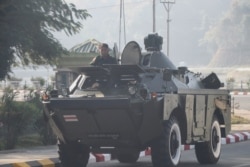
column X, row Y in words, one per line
column 145, row 101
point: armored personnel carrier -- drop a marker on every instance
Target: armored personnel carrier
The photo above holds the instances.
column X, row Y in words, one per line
column 142, row 102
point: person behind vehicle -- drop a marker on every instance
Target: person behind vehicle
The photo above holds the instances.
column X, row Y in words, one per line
column 104, row 57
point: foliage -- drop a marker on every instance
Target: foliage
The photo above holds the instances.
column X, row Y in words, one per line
column 23, row 122
column 26, row 31
column 41, row 80
column 47, row 137
column 42, row 127
column 16, row 117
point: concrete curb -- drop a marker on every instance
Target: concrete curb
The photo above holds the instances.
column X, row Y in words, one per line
column 54, row 162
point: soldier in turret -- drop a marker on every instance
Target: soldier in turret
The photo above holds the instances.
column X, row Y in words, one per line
column 104, row 57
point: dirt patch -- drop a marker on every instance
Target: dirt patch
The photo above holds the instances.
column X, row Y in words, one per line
column 242, row 113
column 241, row 127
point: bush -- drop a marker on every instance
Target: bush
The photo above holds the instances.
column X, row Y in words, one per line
column 42, row 127
column 22, row 118
column 16, row 118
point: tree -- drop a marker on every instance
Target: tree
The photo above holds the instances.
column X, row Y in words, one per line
column 26, row 31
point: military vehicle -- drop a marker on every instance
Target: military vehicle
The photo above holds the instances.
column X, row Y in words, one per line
column 142, row 102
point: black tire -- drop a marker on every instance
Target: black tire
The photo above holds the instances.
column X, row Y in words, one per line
column 128, row 157
column 209, row 152
column 166, row 151
column 73, row 154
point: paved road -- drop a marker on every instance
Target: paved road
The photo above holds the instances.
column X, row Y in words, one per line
column 233, row 155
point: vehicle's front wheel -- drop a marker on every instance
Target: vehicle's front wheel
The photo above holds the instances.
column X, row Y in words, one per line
column 73, row 154
column 209, row 152
column 166, row 151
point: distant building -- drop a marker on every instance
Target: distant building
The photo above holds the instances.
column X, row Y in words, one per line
column 80, row 55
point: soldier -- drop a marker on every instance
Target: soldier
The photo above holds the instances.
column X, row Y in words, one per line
column 104, row 57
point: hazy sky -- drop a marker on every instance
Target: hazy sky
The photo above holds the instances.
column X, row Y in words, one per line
column 190, row 19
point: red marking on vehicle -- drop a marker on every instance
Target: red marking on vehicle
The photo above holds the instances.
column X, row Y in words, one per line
column 99, row 157
column 148, row 151
column 70, row 118
column 186, row 147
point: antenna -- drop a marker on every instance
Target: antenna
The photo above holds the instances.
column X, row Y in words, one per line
column 168, row 4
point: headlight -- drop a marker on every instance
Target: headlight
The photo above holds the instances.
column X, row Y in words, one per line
column 132, row 90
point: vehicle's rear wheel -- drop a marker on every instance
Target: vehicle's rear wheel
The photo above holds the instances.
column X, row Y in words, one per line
column 166, row 151
column 73, row 154
column 131, row 157
column 209, row 152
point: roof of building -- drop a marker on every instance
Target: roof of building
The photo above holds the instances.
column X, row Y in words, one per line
column 89, row 46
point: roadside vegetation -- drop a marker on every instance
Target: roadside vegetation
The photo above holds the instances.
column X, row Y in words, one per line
column 27, row 31
column 26, row 39
column 22, row 122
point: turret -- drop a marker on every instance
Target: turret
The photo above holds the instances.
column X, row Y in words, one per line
column 154, row 57
column 153, row 42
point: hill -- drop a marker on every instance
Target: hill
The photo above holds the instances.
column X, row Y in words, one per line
column 229, row 39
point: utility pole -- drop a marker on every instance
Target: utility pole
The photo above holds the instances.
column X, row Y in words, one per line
column 122, row 17
column 120, row 25
column 153, row 15
column 168, row 4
